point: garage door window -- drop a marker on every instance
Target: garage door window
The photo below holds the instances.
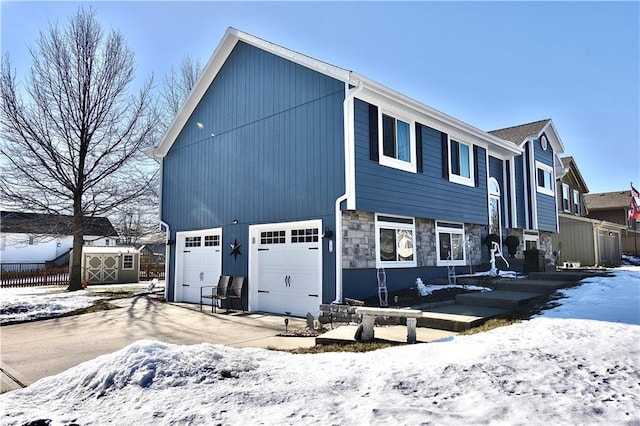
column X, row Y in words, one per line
column 273, row 237
column 192, row 241
column 308, row 235
column 212, row 240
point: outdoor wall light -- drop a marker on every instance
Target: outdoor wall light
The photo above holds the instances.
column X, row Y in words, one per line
column 327, row 233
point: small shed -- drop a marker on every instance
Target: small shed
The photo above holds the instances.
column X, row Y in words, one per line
column 110, row 265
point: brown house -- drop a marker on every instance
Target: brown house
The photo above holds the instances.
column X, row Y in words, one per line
column 614, row 207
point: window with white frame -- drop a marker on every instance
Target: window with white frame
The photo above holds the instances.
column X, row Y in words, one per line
column 544, row 179
column 531, row 239
column 576, row 202
column 565, row 198
column 127, row 261
column 461, row 162
column 397, row 142
column 450, row 244
column 495, row 219
column 395, row 237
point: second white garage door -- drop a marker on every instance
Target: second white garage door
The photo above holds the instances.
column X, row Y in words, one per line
column 198, row 262
column 286, row 268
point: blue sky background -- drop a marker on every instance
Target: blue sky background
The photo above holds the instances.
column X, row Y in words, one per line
column 490, row 64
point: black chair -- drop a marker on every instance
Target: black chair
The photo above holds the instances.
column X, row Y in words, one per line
column 218, row 292
column 235, row 290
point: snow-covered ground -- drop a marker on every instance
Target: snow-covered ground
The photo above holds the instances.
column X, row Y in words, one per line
column 30, row 303
column 558, row 368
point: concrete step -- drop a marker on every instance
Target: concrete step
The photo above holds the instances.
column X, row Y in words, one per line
column 457, row 317
column 530, row 285
column 396, row 333
column 498, row 298
column 570, row 276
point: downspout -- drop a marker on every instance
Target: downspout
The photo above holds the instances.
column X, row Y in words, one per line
column 167, row 253
column 349, row 177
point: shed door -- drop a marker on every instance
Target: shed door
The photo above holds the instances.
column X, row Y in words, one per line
column 101, row 267
column 198, row 263
column 287, row 268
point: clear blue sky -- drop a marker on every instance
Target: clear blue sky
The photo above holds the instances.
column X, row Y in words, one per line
column 490, row 64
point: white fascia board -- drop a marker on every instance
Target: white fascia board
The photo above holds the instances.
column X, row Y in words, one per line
column 392, row 100
column 231, row 37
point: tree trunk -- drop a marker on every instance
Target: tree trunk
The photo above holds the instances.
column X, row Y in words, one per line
column 75, row 278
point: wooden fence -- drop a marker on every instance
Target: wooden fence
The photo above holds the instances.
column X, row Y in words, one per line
column 32, row 275
column 40, row 274
column 149, row 271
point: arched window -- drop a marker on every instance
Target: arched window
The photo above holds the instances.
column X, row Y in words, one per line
column 495, row 217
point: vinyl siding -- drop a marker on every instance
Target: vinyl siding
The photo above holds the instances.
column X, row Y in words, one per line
column 520, row 190
column 277, row 154
column 546, row 204
column 387, row 190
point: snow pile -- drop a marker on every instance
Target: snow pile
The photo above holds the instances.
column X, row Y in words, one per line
column 537, row 372
column 615, row 299
column 24, row 304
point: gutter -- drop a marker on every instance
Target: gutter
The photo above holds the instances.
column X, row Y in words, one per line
column 349, row 178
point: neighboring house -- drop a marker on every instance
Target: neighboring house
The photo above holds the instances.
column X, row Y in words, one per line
column 39, row 237
column 614, row 207
column 152, row 253
column 307, row 178
column 582, row 241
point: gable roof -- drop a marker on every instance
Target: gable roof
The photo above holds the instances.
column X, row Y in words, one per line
column 51, row 224
column 608, row 200
column 522, row 132
column 232, row 36
column 570, row 165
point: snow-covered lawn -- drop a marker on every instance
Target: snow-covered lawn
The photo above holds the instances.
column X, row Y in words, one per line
column 556, row 369
column 30, row 303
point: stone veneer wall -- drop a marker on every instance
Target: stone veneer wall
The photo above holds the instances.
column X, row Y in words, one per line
column 545, row 243
column 359, row 241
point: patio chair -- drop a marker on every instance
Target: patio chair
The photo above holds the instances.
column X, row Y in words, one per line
column 235, row 290
column 215, row 293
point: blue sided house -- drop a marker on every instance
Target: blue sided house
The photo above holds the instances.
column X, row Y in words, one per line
column 307, row 178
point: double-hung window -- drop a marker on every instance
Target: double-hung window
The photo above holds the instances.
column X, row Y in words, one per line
column 576, row 202
column 127, row 261
column 397, row 142
column 461, row 163
column 450, row 242
column 565, row 198
column 544, row 177
column 395, row 237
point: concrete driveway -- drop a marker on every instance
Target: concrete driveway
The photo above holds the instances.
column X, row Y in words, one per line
column 38, row 349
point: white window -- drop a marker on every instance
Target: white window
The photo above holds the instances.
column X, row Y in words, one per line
column 395, row 237
column 495, row 218
column 544, row 179
column 127, row 261
column 576, row 202
column 461, row 162
column 531, row 239
column 565, row 198
column 450, row 244
column 396, row 142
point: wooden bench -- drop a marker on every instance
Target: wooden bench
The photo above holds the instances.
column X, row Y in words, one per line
column 369, row 318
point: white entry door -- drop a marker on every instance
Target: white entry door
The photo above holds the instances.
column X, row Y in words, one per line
column 286, row 268
column 198, row 262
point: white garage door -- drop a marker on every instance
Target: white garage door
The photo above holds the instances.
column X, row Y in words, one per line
column 198, row 262
column 286, row 268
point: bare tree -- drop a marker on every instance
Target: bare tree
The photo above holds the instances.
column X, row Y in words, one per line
column 177, row 85
column 76, row 144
